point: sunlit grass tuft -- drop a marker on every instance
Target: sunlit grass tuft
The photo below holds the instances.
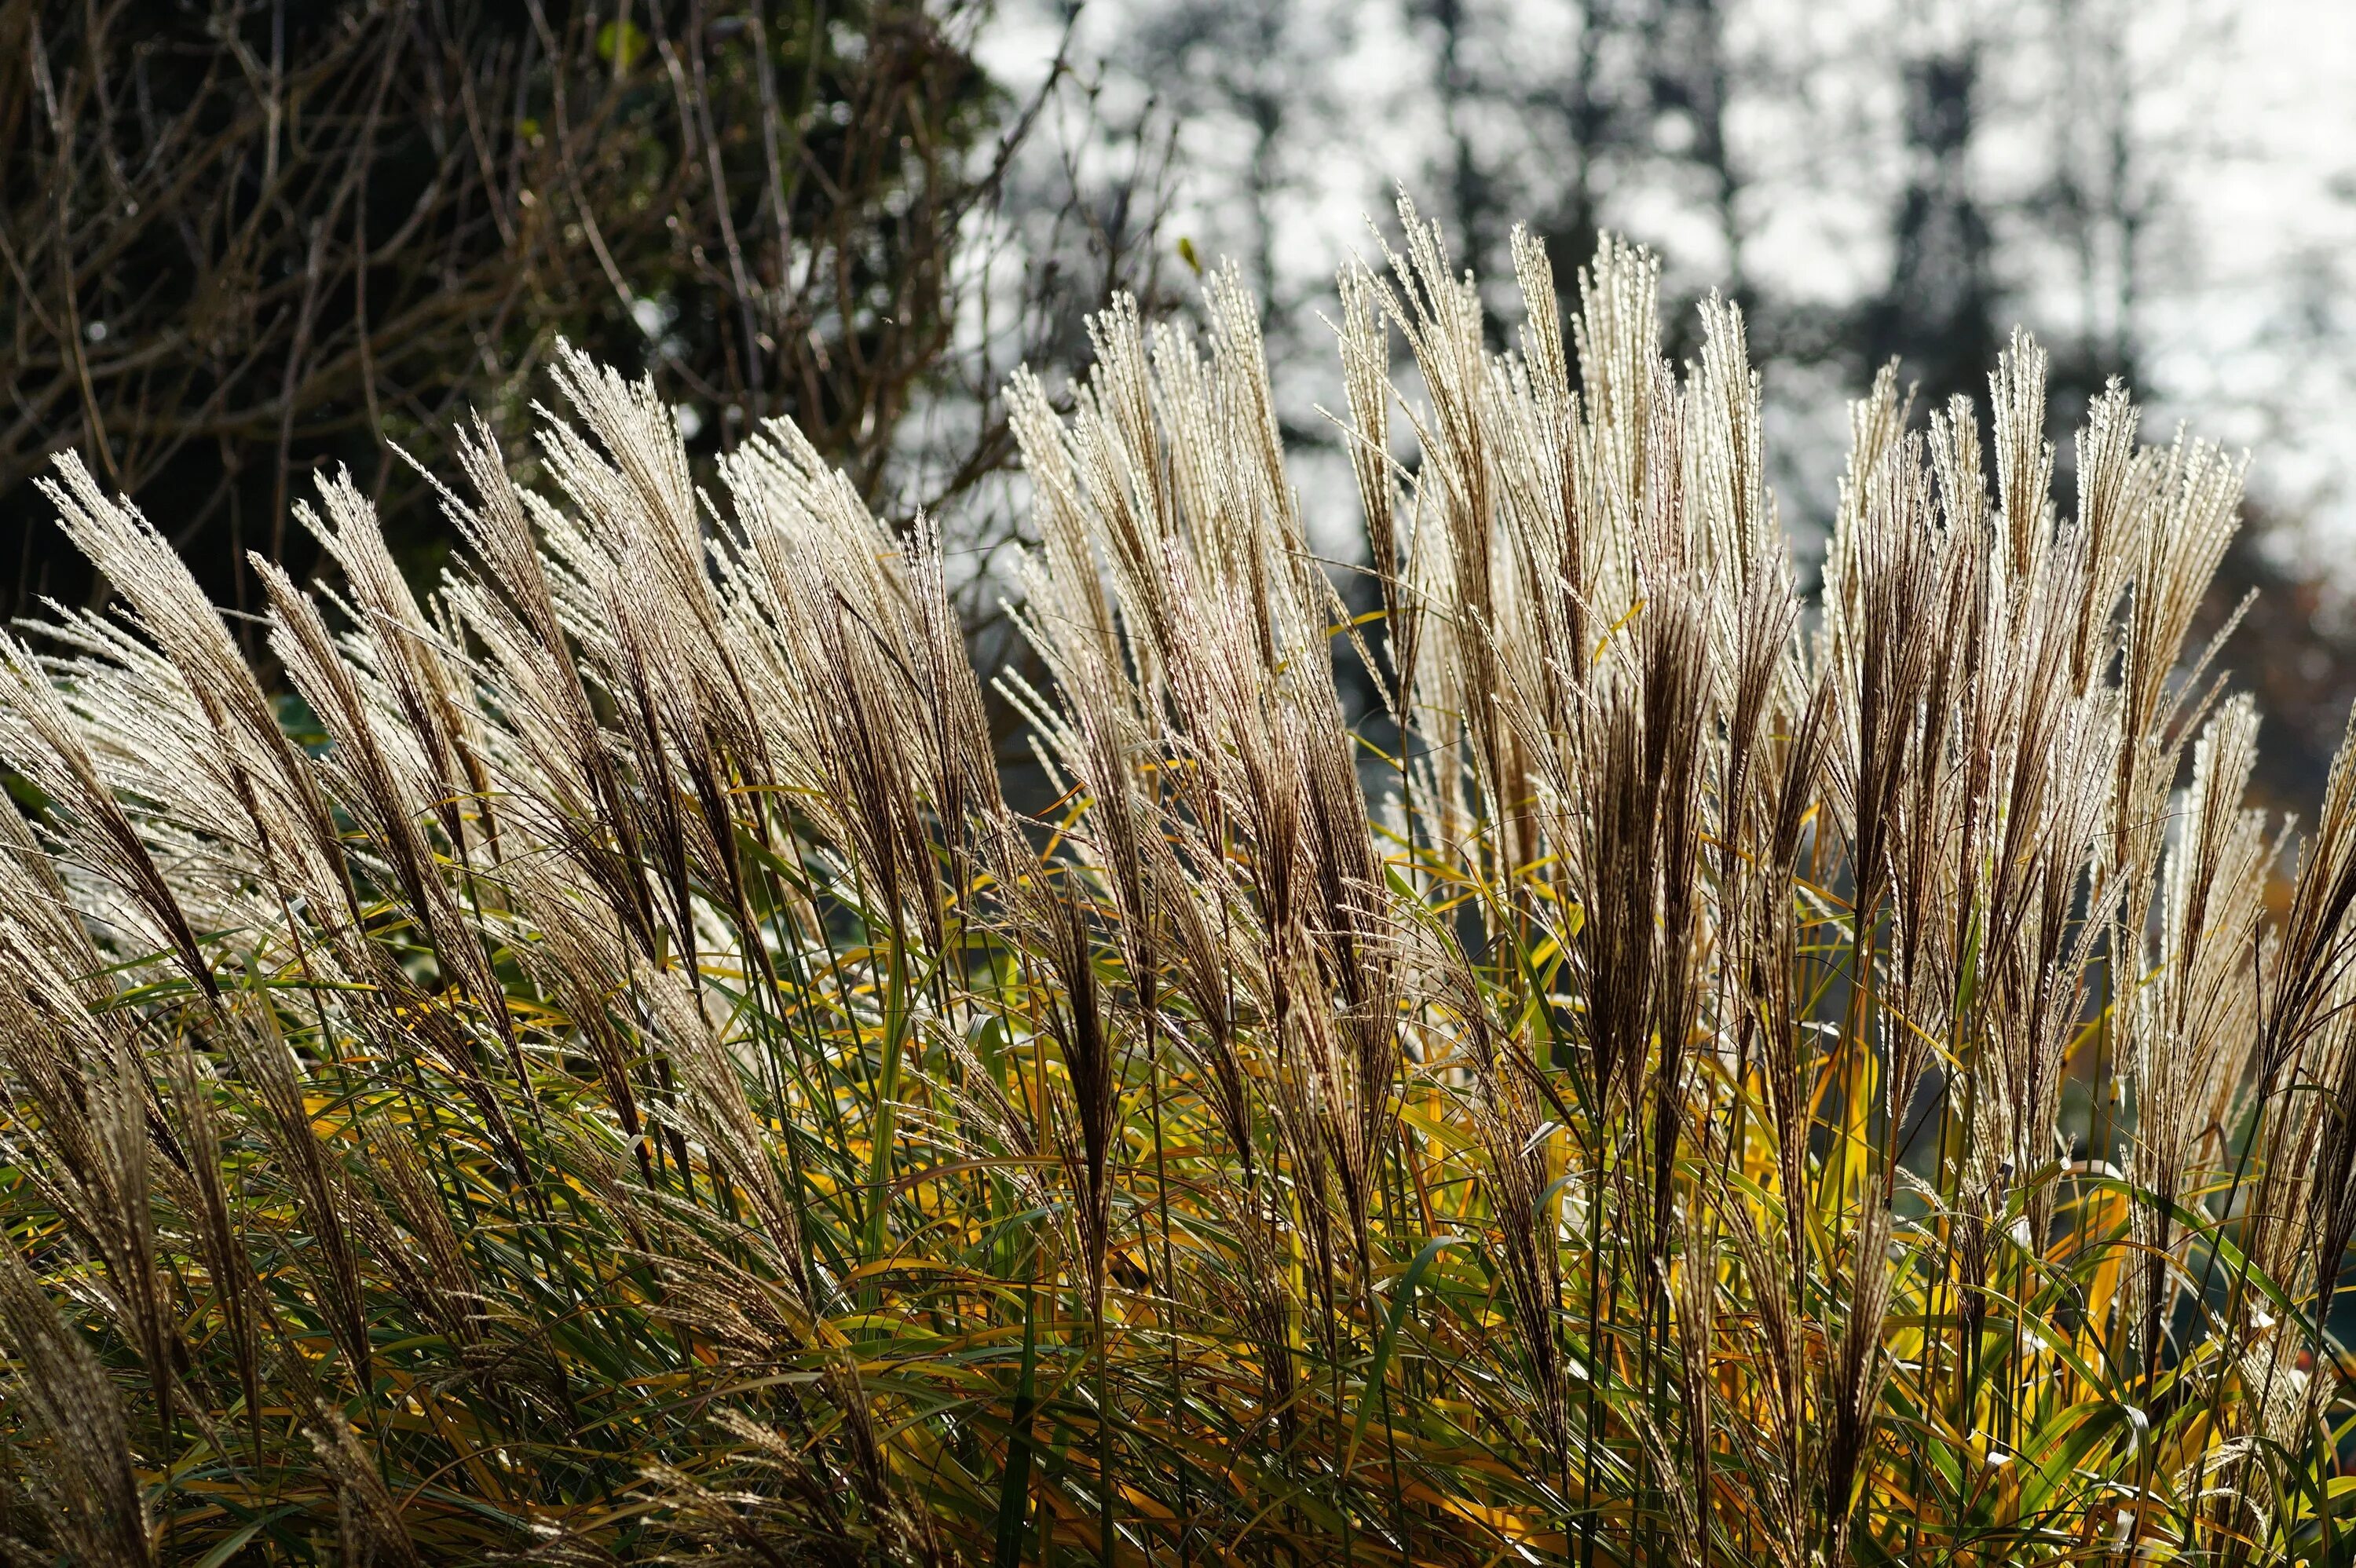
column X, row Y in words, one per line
column 1703, row 1074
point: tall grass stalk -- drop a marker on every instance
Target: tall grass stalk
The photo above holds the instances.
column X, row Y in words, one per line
column 603, row 1072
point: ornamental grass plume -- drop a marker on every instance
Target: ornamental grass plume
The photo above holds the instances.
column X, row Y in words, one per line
column 600, row 1070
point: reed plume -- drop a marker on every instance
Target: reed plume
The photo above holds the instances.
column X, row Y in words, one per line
column 1604, row 1056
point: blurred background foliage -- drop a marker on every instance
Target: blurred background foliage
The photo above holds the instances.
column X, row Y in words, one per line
column 243, row 237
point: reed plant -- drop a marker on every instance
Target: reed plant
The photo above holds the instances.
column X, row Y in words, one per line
column 1697, row 1072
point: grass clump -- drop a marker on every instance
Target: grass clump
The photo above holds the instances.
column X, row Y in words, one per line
column 1705, row 1075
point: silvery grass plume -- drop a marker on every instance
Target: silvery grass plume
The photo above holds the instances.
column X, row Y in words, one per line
column 589, row 1064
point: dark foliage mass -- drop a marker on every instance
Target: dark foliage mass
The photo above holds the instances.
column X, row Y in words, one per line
column 248, row 240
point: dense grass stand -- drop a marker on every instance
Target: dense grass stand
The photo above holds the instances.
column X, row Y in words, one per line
column 1702, row 1074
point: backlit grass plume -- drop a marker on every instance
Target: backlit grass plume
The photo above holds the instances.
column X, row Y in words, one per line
column 1703, row 1075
